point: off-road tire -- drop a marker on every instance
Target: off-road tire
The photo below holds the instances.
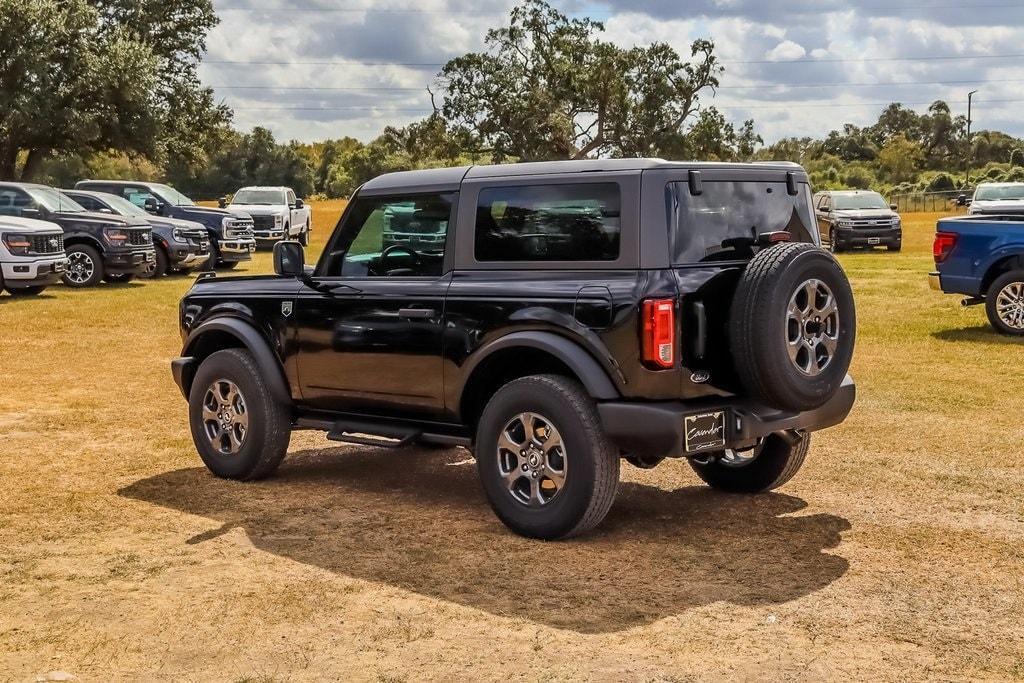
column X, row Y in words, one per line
column 833, row 244
column 304, row 236
column 991, row 301
column 118, row 278
column 26, row 291
column 759, row 325
column 777, row 463
column 94, row 256
column 266, row 442
column 591, row 460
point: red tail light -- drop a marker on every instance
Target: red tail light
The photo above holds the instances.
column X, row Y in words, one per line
column 943, row 245
column 659, row 332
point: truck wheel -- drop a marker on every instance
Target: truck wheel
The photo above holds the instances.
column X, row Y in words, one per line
column 546, row 466
column 240, row 431
column 26, row 291
column 85, row 268
column 767, row 466
column 1004, row 303
column 119, row 278
column 304, row 236
column 792, row 326
column 160, row 265
column 833, row 244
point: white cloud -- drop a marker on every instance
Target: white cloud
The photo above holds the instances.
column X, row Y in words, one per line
column 787, row 49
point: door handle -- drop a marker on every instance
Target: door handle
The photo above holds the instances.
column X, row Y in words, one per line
column 417, row 313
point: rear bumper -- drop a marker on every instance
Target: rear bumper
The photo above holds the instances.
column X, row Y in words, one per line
column 656, row 429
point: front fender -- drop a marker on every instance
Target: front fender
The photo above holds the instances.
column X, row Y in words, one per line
column 273, row 373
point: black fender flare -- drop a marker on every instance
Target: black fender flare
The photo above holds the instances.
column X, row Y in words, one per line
column 253, row 341
column 594, row 378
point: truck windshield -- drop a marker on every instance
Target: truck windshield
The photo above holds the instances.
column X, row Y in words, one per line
column 52, row 200
column 264, row 197
column 861, row 200
column 122, row 206
column 995, row 193
column 723, row 222
column 170, row 195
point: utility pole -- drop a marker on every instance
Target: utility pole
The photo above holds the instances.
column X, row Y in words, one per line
column 967, row 180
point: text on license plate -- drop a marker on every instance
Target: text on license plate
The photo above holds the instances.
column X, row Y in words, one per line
column 874, row 240
column 704, row 431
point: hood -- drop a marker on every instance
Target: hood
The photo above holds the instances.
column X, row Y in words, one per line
column 27, row 225
column 171, row 223
column 998, row 206
column 205, row 211
column 104, row 218
column 865, row 213
column 260, row 209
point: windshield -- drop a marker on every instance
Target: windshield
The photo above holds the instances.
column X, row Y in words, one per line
column 995, row 193
column 122, row 206
column 265, row 197
column 724, row 221
column 171, row 196
column 52, row 200
column 862, row 200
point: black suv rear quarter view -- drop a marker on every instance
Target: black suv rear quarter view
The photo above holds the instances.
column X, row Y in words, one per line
column 573, row 315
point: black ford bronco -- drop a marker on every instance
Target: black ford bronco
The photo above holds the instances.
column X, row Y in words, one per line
column 575, row 314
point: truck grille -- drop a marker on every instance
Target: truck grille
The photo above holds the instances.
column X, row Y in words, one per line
column 47, row 244
column 138, row 238
column 238, row 228
column 872, row 223
column 263, row 222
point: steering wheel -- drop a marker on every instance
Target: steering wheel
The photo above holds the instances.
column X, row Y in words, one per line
column 387, row 253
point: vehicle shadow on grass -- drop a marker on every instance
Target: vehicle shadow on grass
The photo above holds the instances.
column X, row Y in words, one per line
column 418, row 520
column 976, row 333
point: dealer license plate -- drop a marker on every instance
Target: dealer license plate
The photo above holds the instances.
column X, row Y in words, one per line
column 874, row 240
column 704, row 431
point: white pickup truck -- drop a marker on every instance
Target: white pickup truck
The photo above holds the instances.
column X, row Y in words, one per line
column 276, row 212
column 31, row 255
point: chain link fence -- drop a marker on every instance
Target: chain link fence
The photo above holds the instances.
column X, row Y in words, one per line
column 948, row 200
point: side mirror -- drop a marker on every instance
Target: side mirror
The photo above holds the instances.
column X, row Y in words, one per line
column 299, row 204
column 222, row 202
column 289, row 259
column 151, row 205
column 894, row 207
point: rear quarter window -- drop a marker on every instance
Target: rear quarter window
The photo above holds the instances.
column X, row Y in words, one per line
column 723, row 222
column 574, row 222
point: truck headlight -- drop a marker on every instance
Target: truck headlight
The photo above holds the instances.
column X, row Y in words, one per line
column 177, row 235
column 278, row 220
column 116, row 235
column 895, row 220
column 18, row 245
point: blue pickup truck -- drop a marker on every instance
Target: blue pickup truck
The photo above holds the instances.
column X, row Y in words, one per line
column 982, row 257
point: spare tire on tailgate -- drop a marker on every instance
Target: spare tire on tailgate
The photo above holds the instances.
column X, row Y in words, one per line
column 792, row 326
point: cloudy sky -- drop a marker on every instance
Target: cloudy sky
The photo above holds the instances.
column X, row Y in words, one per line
column 312, row 69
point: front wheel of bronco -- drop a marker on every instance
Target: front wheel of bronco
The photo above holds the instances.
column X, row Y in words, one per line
column 239, row 429
column 546, row 466
column 1004, row 303
column 769, row 465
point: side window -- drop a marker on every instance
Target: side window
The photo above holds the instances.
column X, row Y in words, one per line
column 826, row 202
column 13, row 202
column 291, row 198
column 549, row 223
column 392, row 237
column 137, row 195
column 88, row 203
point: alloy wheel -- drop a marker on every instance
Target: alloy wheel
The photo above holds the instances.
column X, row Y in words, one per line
column 225, row 417
column 532, row 459
column 80, row 267
column 1010, row 305
column 812, row 327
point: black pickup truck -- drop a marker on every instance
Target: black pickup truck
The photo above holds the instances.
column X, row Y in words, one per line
column 99, row 246
column 575, row 314
column 231, row 232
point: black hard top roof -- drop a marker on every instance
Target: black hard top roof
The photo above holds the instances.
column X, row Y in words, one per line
column 441, row 178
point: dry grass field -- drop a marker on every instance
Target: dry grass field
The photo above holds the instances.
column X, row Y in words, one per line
column 897, row 553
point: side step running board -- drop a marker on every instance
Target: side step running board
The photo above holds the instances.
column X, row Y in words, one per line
column 370, row 434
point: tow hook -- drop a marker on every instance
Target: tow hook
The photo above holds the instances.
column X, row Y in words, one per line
column 972, row 301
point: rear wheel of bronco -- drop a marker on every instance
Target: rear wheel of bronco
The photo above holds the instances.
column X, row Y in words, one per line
column 546, row 466
column 767, row 466
column 85, row 268
column 792, row 326
column 239, row 429
column 1004, row 303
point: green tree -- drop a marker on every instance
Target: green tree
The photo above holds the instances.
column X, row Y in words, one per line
column 549, row 88
column 900, row 159
column 83, row 76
